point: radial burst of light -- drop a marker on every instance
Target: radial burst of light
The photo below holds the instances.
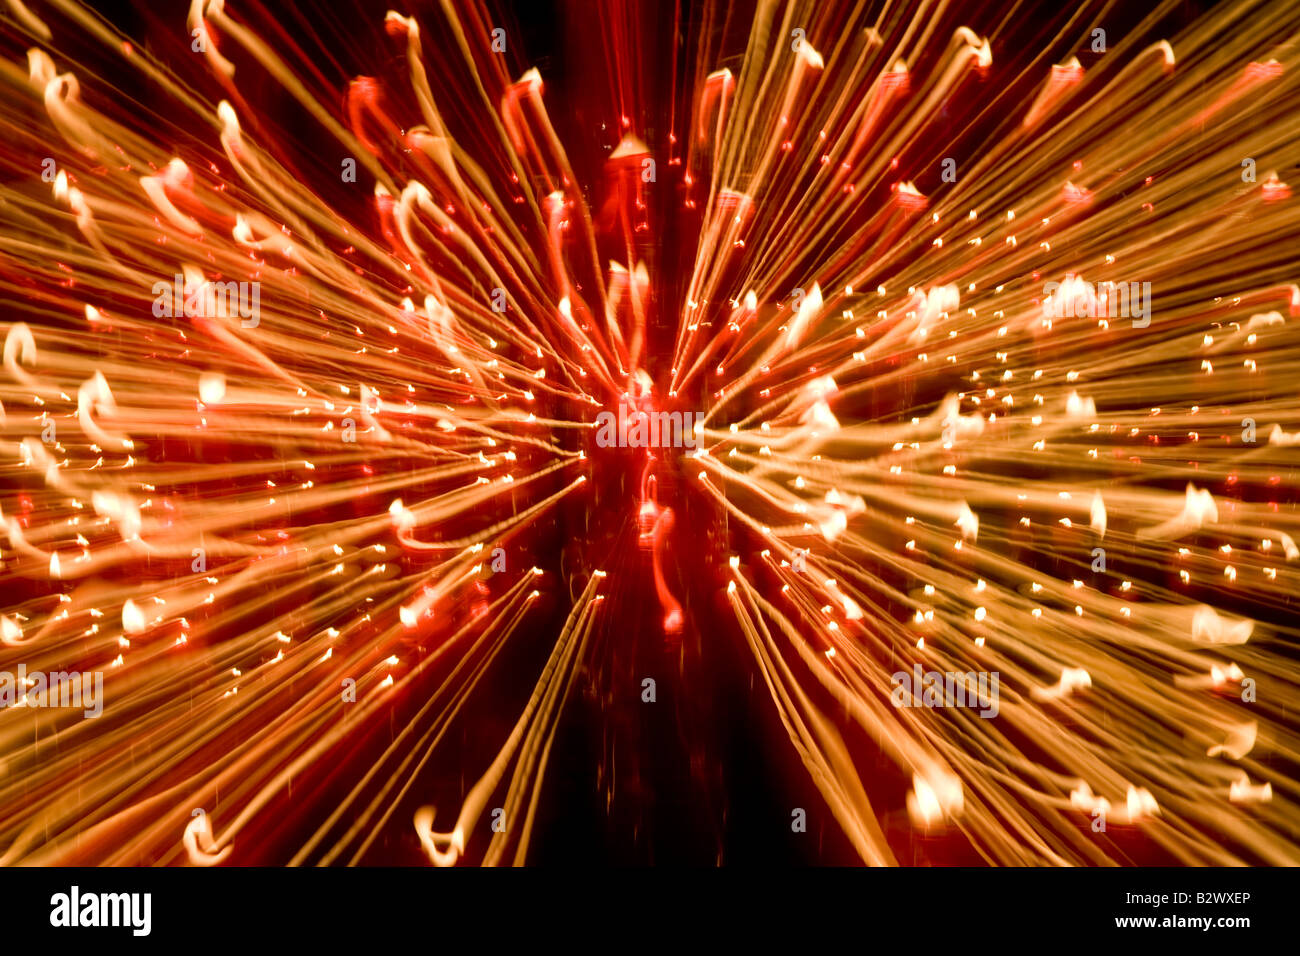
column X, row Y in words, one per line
column 306, row 465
